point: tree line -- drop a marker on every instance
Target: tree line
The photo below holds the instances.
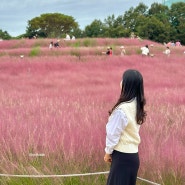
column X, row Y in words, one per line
column 158, row 22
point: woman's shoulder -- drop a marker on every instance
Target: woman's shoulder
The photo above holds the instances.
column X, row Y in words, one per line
column 129, row 105
column 126, row 103
column 118, row 113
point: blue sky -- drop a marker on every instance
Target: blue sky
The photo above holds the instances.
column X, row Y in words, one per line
column 14, row 14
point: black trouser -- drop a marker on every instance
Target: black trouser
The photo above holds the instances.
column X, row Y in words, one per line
column 124, row 168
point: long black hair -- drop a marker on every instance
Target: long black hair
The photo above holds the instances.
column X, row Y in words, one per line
column 132, row 87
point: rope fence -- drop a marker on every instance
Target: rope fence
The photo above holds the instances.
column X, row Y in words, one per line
column 68, row 175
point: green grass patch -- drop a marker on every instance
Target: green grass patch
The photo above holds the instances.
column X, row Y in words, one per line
column 75, row 52
column 89, row 42
column 86, row 180
column 35, row 51
column 76, row 44
column 40, row 42
column 26, row 181
column 2, row 54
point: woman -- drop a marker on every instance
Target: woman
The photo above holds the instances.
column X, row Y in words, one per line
column 122, row 130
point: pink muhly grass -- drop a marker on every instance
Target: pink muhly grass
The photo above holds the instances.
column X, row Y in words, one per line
column 16, row 52
column 58, row 106
column 84, row 47
column 15, row 44
column 35, row 111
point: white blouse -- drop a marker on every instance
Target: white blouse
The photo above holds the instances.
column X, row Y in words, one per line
column 116, row 124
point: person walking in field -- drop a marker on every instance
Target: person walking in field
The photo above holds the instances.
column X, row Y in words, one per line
column 122, row 130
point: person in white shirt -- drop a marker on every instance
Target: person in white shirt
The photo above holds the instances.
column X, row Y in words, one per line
column 51, row 45
column 145, row 51
column 67, row 37
column 123, row 51
column 122, row 130
column 167, row 51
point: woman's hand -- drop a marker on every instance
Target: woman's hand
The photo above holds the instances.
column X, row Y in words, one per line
column 108, row 158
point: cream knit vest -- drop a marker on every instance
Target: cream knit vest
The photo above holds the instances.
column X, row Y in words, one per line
column 130, row 138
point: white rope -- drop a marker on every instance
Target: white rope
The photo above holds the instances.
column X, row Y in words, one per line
column 150, row 182
column 47, row 176
column 68, row 175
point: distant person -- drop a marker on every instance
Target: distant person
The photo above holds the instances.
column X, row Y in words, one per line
column 51, row 45
column 122, row 130
column 169, row 44
column 145, row 51
column 108, row 52
column 111, row 52
column 67, row 37
column 73, row 37
column 139, row 38
column 56, row 44
column 167, row 51
column 123, row 51
column 132, row 35
column 172, row 43
column 178, row 43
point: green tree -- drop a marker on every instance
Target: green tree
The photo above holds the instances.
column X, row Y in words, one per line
column 4, row 35
column 177, row 13
column 177, row 20
column 109, row 29
column 95, row 29
column 161, row 12
column 120, row 30
column 153, row 29
column 77, row 32
column 110, row 26
column 114, row 27
column 181, row 32
column 51, row 25
column 133, row 17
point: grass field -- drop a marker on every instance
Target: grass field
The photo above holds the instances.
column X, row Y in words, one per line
column 54, row 107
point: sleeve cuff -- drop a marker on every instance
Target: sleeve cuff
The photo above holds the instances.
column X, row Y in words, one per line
column 108, row 151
